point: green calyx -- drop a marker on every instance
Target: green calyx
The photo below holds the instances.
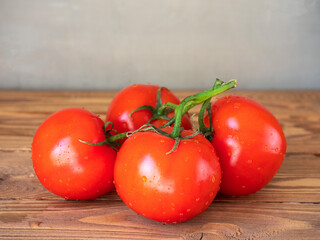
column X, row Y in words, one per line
column 110, row 139
column 160, row 111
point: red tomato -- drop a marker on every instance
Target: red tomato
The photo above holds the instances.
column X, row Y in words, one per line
column 249, row 142
column 134, row 96
column 67, row 167
column 165, row 187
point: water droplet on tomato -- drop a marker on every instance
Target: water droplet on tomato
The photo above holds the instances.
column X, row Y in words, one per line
column 197, row 199
column 236, row 106
column 277, row 149
column 181, row 214
column 265, row 147
column 207, row 203
column 130, row 204
column 162, row 141
column 144, row 178
column 259, row 168
column 60, row 181
column 188, row 210
column 249, row 161
column 213, row 179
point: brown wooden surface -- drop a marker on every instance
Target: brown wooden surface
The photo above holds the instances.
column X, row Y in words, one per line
column 287, row 208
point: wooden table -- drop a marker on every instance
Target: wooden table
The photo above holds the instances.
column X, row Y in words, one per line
column 287, row 208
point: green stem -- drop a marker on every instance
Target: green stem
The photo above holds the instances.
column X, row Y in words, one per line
column 180, row 110
column 178, row 116
column 117, row 137
column 198, row 98
column 164, row 106
column 202, row 126
column 191, row 101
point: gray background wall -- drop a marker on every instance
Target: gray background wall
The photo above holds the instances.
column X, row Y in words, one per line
column 108, row 44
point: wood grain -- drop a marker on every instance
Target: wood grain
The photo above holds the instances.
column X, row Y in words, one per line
column 22, row 112
column 46, row 219
column 295, row 181
column 287, row 208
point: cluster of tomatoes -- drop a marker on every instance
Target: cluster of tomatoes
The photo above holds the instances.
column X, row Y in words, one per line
column 166, row 173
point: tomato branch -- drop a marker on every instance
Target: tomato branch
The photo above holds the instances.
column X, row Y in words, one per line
column 196, row 99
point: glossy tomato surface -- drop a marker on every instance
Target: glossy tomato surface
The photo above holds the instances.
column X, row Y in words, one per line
column 67, row 167
column 165, row 187
column 249, row 142
column 134, row 96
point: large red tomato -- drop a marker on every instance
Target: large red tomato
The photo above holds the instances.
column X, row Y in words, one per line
column 249, row 142
column 134, row 96
column 165, row 187
column 67, row 167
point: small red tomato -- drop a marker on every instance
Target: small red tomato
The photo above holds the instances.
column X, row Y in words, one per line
column 249, row 142
column 165, row 187
column 134, row 96
column 67, row 167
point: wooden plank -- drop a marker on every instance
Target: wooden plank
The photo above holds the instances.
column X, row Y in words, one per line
column 113, row 220
column 22, row 112
column 297, row 181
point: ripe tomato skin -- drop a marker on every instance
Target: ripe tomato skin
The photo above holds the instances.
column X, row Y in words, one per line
column 134, row 96
column 249, row 142
column 67, row 167
column 164, row 187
